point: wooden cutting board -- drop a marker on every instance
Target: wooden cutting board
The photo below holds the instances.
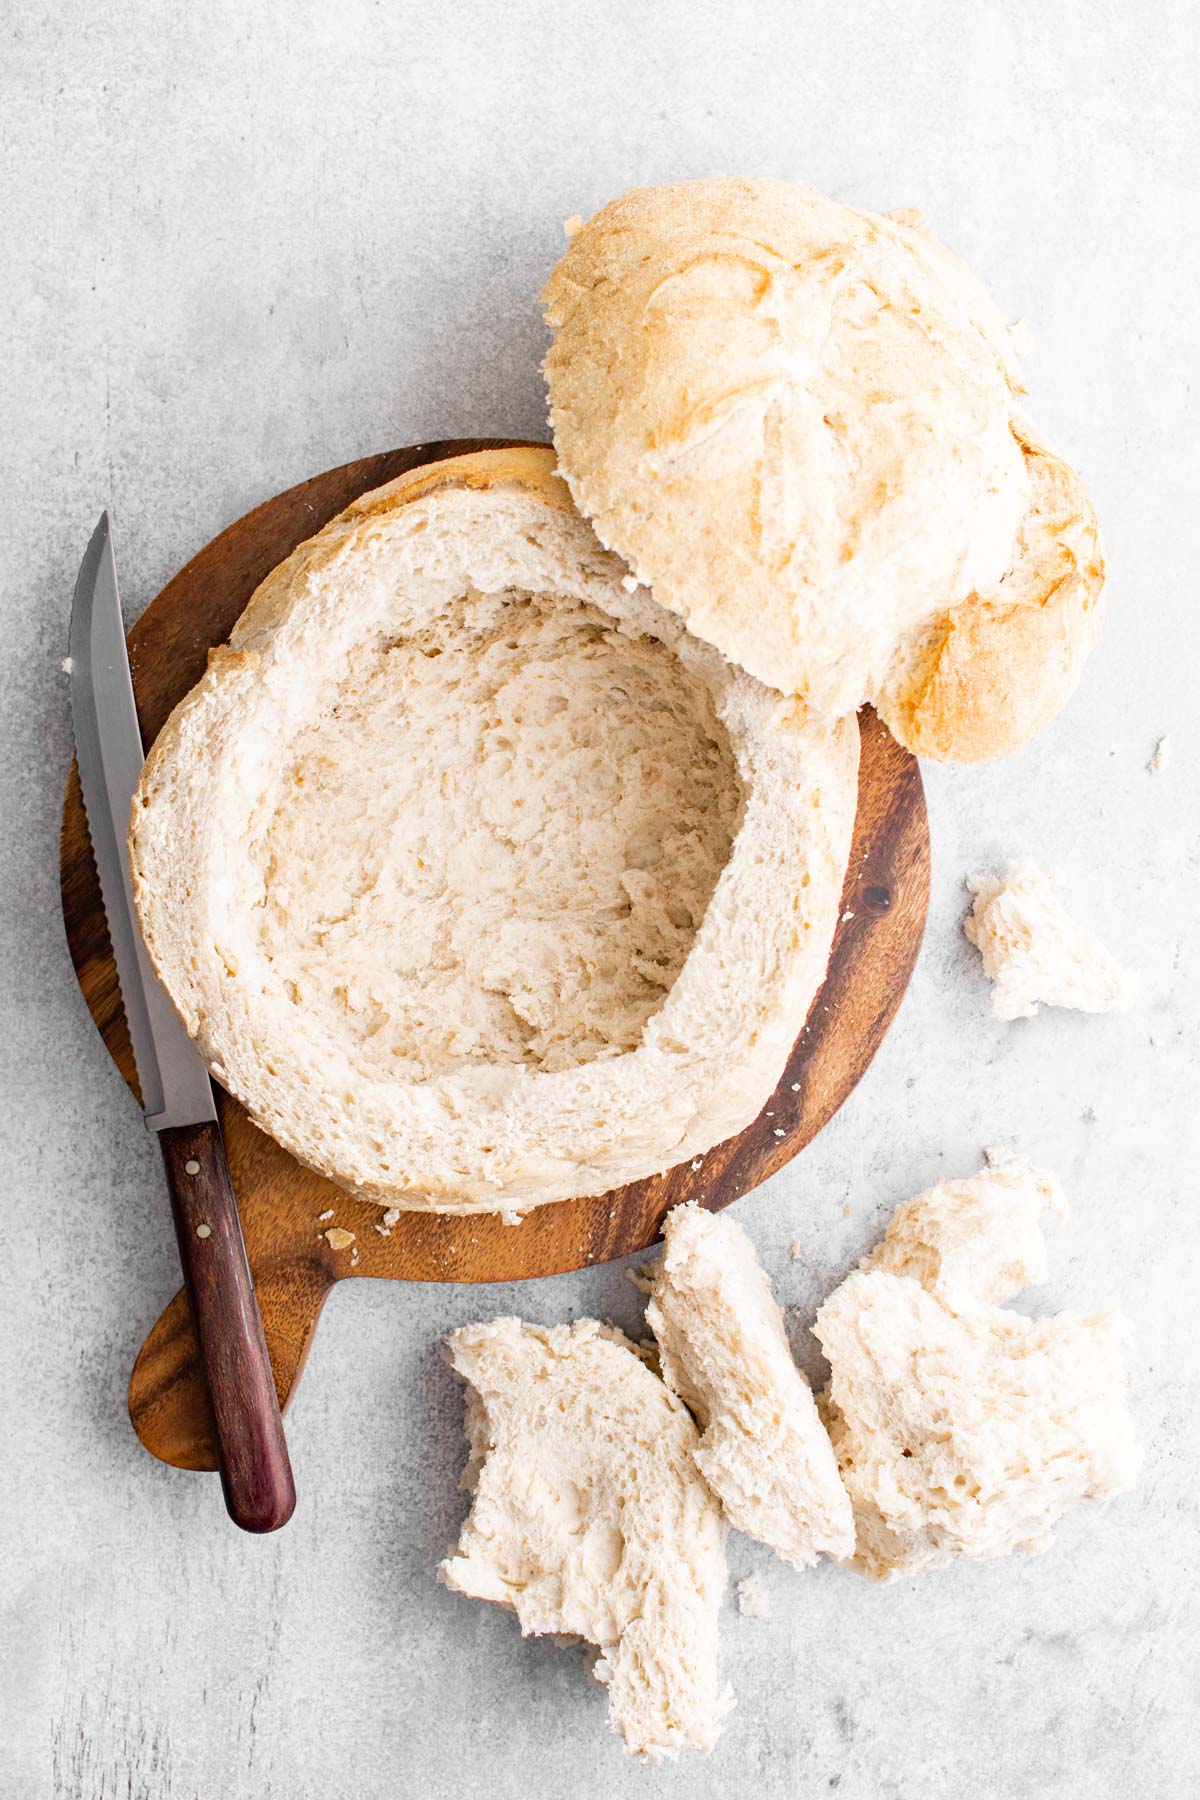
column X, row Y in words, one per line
column 282, row 1205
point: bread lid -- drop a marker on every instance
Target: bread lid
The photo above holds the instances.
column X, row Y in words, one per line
column 795, row 421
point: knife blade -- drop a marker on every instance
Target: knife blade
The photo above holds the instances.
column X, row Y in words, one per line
column 175, row 1086
column 177, row 1096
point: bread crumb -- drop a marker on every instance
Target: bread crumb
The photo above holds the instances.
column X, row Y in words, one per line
column 1161, row 757
column 778, row 1131
column 754, row 1602
column 383, row 1231
column 847, row 915
column 796, row 1249
column 338, row 1238
column 392, row 1216
column 67, row 665
column 996, row 1156
column 353, row 1258
column 327, row 1214
column 1021, row 336
column 640, row 1279
column 630, row 583
column 795, row 1087
column 510, row 1216
column 697, row 1162
column 572, row 226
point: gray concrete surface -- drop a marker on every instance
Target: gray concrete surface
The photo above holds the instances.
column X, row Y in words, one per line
column 245, row 242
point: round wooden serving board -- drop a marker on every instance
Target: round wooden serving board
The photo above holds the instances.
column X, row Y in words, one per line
column 282, row 1204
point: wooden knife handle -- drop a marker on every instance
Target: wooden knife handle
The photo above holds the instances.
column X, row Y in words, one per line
column 256, row 1474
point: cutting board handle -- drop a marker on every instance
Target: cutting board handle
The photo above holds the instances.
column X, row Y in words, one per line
column 256, row 1474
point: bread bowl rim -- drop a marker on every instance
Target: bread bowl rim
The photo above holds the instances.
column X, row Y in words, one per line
column 530, row 467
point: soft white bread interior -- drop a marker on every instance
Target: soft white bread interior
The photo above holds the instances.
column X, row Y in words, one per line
column 724, row 1351
column 982, row 1235
column 796, row 421
column 1035, row 954
column 477, row 880
column 590, row 1518
column 962, row 1429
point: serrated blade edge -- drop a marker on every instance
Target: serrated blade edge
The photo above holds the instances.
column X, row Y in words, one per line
column 108, row 745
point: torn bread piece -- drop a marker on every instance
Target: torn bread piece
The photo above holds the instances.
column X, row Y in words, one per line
column 724, row 1350
column 982, row 1234
column 962, row 1429
column 590, row 1518
column 754, row 1598
column 980, row 679
column 1034, row 952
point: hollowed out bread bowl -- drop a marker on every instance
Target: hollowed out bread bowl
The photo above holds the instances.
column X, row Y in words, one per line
column 480, row 882
column 797, row 421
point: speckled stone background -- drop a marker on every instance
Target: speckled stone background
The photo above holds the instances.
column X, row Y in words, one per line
column 246, row 242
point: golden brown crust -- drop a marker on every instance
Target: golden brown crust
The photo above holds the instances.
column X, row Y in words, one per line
column 980, row 680
column 791, row 418
column 532, row 465
column 795, row 421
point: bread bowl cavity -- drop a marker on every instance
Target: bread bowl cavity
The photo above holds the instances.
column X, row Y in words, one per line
column 797, row 421
column 477, row 879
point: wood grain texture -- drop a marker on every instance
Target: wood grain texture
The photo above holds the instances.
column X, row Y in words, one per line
column 256, row 1472
column 883, row 905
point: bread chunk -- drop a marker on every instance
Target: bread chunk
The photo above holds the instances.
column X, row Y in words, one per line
column 590, row 1518
column 982, row 1235
column 962, row 1429
column 724, row 1351
column 1034, row 952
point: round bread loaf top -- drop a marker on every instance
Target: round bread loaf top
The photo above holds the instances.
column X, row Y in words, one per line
column 794, row 420
column 478, row 880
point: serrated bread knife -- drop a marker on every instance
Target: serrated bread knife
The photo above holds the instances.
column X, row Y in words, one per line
column 176, row 1093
